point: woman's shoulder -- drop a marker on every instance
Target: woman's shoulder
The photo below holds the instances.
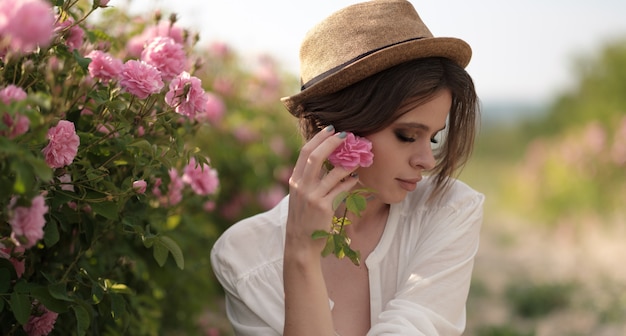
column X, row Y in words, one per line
column 250, row 243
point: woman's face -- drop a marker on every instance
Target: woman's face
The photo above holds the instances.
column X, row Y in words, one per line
column 402, row 150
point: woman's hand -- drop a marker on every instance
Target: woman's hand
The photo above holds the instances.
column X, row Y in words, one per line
column 311, row 192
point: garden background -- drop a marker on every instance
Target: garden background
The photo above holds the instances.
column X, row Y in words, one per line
column 116, row 259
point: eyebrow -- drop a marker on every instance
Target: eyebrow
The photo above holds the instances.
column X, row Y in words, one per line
column 420, row 126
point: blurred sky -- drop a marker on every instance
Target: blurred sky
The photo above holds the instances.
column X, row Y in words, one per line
column 523, row 50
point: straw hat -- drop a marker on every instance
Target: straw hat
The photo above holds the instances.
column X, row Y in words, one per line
column 363, row 39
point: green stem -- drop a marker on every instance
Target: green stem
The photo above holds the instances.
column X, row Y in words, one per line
column 343, row 219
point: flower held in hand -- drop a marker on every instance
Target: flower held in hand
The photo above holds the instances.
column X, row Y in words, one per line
column 355, row 151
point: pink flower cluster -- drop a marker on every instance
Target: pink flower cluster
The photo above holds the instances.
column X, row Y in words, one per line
column 42, row 322
column 63, row 145
column 18, row 124
column 27, row 222
column 25, row 25
column 355, row 151
column 201, row 178
column 162, row 60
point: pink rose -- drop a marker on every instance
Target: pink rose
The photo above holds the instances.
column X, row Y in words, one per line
column 26, row 24
column 66, row 182
column 272, row 196
column 166, row 55
column 41, row 323
column 157, row 184
column 136, row 44
column 140, row 79
column 63, row 145
column 17, row 126
column 73, row 34
column 140, row 186
column 103, row 66
column 186, row 95
column 12, row 93
column 214, row 110
column 175, row 188
column 209, row 206
column 27, row 222
column 16, row 257
column 353, row 152
column 202, row 178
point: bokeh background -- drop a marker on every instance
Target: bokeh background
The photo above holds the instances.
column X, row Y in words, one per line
column 551, row 155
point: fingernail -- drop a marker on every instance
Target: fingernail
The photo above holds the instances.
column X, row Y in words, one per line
column 342, row 135
column 330, row 128
column 354, row 175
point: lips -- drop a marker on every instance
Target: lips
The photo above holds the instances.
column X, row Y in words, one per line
column 408, row 184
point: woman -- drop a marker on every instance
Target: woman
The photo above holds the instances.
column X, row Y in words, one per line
column 372, row 69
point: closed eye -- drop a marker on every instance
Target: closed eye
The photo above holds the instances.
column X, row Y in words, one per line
column 403, row 137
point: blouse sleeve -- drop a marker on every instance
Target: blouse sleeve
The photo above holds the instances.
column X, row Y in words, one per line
column 433, row 288
column 252, row 281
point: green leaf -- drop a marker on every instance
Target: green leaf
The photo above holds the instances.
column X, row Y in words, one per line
column 160, row 252
column 39, row 166
column 59, row 291
column 20, row 304
column 105, row 209
column 97, row 292
column 51, row 234
column 82, row 319
column 148, row 240
column 5, row 280
column 24, row 177
column 175, row 250
column 121, row 289
column 355, row 256
column 318, row 234
column 356, row 203
column 339, row 199
column 42, row 294
column 82, row 61
column 330, row 245
column 118, row 306
column 143, row 145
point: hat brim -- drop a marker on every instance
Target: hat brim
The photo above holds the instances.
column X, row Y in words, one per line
column 455, row 49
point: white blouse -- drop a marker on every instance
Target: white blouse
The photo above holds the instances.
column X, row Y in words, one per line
column 419, row 273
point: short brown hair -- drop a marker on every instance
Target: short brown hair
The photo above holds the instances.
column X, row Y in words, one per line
column 374, row 103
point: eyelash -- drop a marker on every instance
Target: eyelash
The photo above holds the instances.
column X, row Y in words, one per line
column 404, row 138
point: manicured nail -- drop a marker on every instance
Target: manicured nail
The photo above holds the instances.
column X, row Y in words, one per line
column 342, row 135
column 330, row 128
column 354, row 175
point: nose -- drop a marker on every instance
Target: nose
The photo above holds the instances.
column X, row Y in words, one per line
column 423, row 158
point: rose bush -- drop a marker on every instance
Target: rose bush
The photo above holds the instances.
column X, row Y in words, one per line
column 105, row 168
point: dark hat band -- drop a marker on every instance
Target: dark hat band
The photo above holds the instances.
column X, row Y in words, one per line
column 333, row 70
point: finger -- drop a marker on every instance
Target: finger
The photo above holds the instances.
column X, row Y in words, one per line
column 319, row 155
column 306, row 150
column 336, row 176
column 344, row 184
